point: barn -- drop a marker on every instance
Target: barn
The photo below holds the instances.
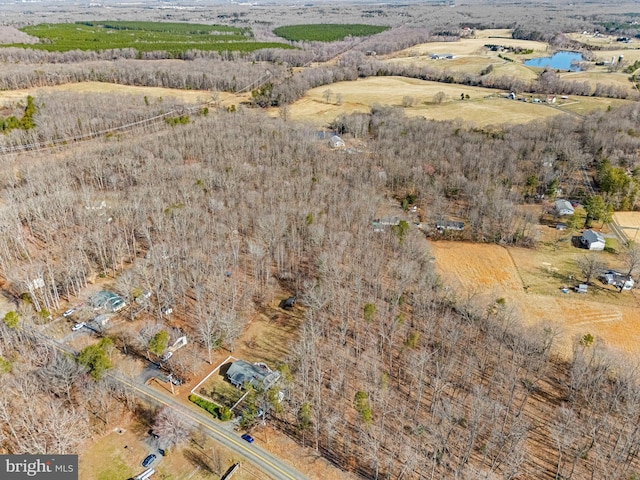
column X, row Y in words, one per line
column 593, row 240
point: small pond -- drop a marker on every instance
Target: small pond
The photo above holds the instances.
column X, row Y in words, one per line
column 559, row 60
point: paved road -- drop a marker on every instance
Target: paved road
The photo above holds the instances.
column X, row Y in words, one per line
column 263, row 460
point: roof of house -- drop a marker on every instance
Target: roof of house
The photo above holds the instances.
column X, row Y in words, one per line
column 107, row 299
column 563, row 204
column 260, row 376
column 590, row 236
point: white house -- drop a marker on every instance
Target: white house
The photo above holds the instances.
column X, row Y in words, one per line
column 592, row 240
column 336, row 142
column 563, row 207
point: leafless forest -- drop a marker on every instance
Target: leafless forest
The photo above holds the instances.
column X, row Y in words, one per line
column 392, row 376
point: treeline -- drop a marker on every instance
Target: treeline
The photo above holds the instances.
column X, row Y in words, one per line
column 67, row 116
column 548, row 81
column 202, row 74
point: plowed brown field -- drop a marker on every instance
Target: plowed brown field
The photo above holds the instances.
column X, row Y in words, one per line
column 490, row 272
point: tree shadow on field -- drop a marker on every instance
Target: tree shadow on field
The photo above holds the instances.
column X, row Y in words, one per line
column 576, row 242
column 198, row 459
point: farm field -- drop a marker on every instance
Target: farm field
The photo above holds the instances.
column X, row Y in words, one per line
column 603, row 41
column 471, row 57
column 471, row 64
column 482, row 108
column 630, row 220
column 188, row 96
column 474, row 45
column 486, row 273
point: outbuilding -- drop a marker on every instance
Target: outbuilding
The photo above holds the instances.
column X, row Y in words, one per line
column 593, row 240
column 336, row 142
column 563, row 207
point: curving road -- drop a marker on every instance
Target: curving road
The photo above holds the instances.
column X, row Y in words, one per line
column 263, row 460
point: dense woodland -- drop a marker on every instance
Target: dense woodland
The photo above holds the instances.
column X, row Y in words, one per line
column 392, row 376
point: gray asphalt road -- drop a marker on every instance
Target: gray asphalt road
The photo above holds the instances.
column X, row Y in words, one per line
column 259, row 457
column 263, row 460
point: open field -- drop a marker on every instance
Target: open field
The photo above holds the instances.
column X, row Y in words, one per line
column 489, row 272
column 594, row 77
column 482, row 108
column 187, row 96
column 475, row 45
column 630, row 220
column 604, row 41
column 119, row 454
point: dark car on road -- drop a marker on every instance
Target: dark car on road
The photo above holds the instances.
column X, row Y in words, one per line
column 149, row 460
column 247, row 438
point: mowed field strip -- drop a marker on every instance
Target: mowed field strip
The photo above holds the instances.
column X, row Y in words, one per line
column 482, row 108
column 489, row 272
column 629, row 223
column 187, row 96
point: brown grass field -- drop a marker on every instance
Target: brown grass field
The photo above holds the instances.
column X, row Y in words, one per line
column 187, row 96
column 475, row 45
column 630, row 220
column 486, row 273
column 483, row 108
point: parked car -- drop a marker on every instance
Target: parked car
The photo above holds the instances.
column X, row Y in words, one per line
column 78, row 326
column 148, row 460
column 68, row 312
column 248, row 438
column 166, row 356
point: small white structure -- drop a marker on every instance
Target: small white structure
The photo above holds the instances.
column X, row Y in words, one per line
column 617, row 280
column 593, row 240
column 582, row 288
column 563, row 207
column 441, row 56
column 336, row 142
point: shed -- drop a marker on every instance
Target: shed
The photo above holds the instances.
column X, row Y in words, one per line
column 582, row 288
column 593, row 240
column 563, row 207
column 336, row 142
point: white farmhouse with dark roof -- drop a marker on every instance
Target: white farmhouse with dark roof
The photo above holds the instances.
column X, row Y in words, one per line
column 593, row 240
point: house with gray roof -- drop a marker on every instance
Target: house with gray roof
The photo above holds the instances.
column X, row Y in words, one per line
column 258, row 375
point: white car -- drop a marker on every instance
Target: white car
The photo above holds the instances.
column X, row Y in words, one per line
column 68, row 312
column 166, row 356
column 78, row 326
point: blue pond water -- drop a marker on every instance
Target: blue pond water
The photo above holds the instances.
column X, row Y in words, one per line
column 559, row 60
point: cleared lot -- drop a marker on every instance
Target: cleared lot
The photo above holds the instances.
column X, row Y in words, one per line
column 486, row 273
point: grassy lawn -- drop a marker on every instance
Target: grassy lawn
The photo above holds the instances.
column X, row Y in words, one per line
column 174, row 38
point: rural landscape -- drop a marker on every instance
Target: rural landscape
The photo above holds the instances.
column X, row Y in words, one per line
column 321, row 241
